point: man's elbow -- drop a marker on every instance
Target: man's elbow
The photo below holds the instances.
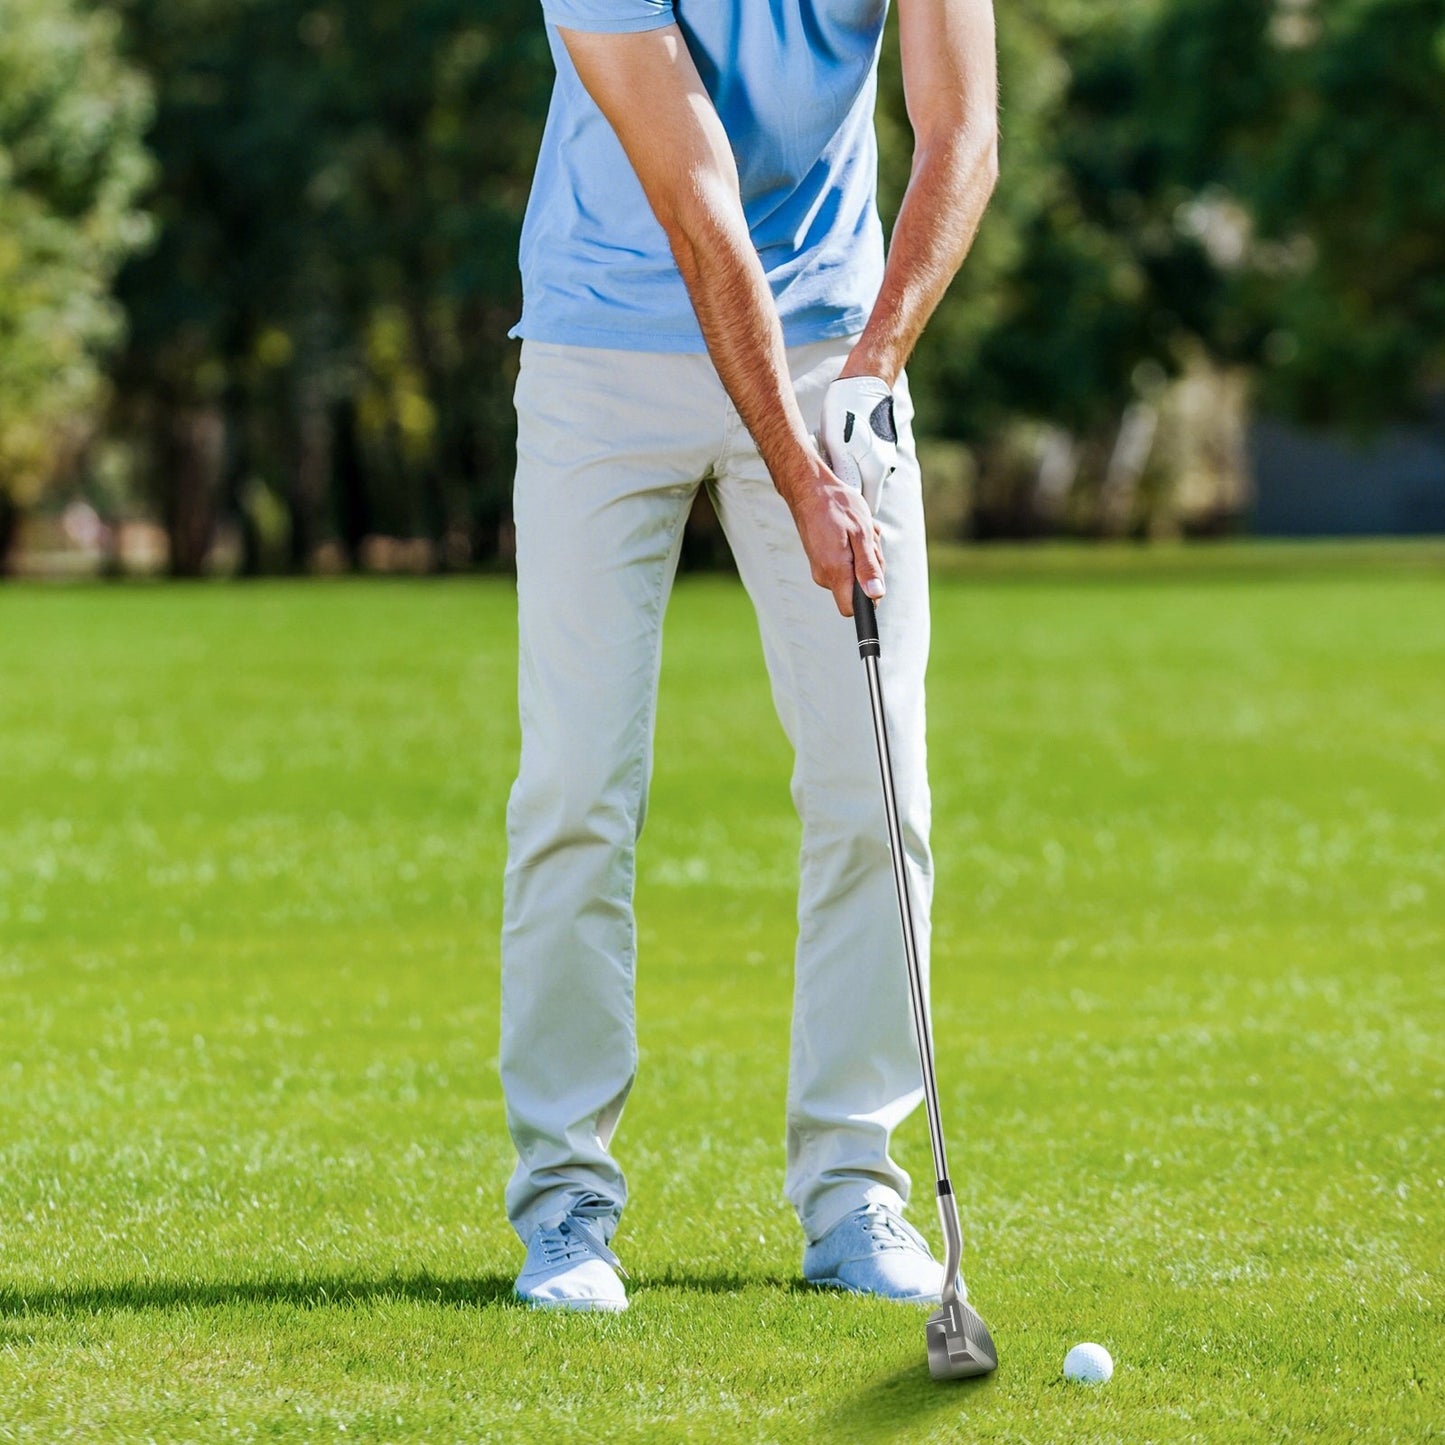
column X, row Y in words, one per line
column 699, row 214
column 963, row 142
column 978, row 154
column 989, row 148
column 988, row 160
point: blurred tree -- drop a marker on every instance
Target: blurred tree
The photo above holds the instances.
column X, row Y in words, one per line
column 1320, row 127
column 234, row 134
column 71, row 166
column 341, row 200
column 1216, row 183
column 318, row 346
column 437, row 121
column 1019, row 329
column 1076, row 293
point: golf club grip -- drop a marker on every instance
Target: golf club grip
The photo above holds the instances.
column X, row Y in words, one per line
column 865, row 619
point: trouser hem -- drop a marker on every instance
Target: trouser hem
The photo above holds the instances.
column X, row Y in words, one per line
column 832, row 1204
column 557, row 1200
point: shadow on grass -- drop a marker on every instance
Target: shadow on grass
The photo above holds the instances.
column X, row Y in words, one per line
column 324, row 1292
column 905, row 1405
column 331, row 1292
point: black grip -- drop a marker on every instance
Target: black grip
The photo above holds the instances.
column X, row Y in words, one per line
column 865, row 619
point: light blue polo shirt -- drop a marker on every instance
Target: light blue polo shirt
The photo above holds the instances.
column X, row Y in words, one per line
column 794, row 84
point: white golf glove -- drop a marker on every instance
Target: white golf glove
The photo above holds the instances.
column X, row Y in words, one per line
column 860, row 441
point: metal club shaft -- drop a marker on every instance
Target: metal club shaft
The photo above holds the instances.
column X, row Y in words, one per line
column 866, row 619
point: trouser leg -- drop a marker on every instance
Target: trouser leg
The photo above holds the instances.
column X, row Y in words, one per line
column 854, row 1072
column 610, row 447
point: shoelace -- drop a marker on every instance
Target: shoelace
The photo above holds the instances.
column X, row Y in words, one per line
column 574, row 1238
column 886, row 1230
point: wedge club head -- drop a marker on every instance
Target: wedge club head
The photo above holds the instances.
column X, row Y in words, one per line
column 959, row 1344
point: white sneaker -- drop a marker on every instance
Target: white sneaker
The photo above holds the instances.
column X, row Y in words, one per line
column 875, row 1251
column 569, row 1266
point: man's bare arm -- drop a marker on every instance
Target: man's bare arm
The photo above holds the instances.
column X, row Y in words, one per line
column 648, row 88
column 950, row 81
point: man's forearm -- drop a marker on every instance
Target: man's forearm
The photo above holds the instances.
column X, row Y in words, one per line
column 709, row 237
column 947, row 193
column 950, row 82
column 739, row 322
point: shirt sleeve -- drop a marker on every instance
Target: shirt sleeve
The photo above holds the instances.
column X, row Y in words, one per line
column 613, row 17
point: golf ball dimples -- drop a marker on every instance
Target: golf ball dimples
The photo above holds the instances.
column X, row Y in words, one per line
column 1088, row 1365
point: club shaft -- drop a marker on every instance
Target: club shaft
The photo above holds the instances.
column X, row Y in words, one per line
column 916, row 986
column 947, row 1204
column 865, row 617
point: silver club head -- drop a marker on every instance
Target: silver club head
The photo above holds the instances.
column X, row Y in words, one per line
column 959, row 1344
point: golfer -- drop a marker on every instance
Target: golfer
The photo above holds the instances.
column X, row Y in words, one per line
column 705, row 290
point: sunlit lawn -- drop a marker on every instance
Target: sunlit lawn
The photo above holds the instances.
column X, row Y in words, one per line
column 1190, row 1000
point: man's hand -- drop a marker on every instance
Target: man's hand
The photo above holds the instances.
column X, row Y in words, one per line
column 859, row 437
column 839, row 537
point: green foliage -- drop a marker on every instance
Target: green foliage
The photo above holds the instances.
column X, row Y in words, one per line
column 1354, row 176
column 1187, row 980
column 342, row 196
column 71, row 168
column 1321, row 124
column 1073, row 282
column 1258, row 183
column 318, row 338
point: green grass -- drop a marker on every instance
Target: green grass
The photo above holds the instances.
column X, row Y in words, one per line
column 1190, row 998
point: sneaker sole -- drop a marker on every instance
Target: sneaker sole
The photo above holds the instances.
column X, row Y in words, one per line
column 578, row 1306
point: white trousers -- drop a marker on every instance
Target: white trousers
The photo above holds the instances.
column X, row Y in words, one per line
column 612, row 447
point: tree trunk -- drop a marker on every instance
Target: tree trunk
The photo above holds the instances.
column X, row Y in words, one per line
column 308, row 476
column 191, row 445
column 436, row 469
column 9, row 531
column 236, row 472
column 493, row 455
column 1119, row 494
column 348, row 480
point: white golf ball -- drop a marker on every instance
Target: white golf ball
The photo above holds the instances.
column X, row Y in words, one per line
column 1088, row 1365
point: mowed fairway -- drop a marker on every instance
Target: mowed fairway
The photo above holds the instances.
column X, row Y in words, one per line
column 1189, row 994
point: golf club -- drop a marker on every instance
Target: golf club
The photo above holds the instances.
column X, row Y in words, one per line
column 959, row 1344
